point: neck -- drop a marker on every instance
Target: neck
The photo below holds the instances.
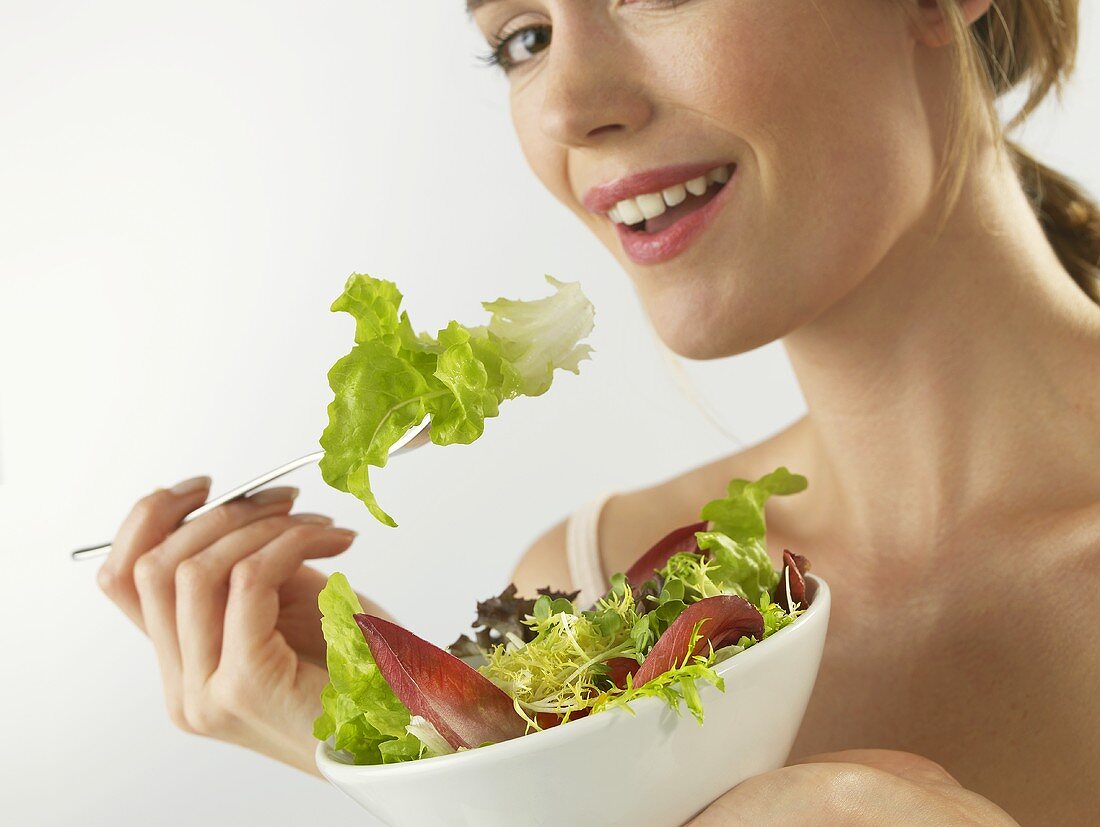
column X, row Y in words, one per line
column 958, row 379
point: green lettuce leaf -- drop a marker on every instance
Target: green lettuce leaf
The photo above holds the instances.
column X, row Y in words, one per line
column 358, row 709
column 739, row 568
column 740, row 514
column 541, row 335
column 406, row 748
column 460, row 416
column 379, row 397
column 394, row 377
column 739, row 560
column 373, row 303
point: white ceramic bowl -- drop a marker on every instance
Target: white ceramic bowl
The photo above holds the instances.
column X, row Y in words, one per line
column 655, row 769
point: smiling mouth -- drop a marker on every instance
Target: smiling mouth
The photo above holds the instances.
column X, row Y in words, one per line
column 655, row 212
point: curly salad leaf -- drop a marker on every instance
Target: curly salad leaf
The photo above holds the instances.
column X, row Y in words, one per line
column 565, row 666
column 394, row 377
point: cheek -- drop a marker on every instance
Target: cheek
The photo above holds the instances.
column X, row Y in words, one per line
column 547, row 159
column 831, row 113
column 827, row 122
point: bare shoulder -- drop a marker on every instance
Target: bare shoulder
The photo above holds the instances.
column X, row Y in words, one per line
column 544, row 564
column 634, row 520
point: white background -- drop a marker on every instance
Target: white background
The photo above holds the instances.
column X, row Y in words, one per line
column 184, row 186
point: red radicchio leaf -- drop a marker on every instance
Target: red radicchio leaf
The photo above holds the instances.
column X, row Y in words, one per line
column 619, row 668
column 680, row 540
column 548, row 720
column 725, row 619
column 795, row 567
column 466, row 707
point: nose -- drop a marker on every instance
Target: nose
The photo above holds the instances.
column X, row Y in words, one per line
column 591, row 94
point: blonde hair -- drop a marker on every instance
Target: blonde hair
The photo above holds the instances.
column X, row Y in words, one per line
column 1017, row 42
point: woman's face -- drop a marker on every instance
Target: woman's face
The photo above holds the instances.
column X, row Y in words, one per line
column 816, row 109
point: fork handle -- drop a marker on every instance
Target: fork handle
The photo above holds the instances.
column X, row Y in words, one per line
column 239, row 491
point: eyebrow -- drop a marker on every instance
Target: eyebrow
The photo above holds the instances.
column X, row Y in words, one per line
column 474, row 5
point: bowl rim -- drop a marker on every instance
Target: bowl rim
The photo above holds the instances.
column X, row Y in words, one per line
column 330, row 766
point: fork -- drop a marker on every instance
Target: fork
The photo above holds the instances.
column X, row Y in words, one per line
column 404, row 445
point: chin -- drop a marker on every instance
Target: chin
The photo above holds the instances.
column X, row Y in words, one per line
column 701, row 343
column 696, row 321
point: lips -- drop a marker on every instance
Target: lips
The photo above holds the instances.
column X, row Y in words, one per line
column 659, row 214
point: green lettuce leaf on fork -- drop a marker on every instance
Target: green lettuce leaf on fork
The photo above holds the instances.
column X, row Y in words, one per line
column 394, row 377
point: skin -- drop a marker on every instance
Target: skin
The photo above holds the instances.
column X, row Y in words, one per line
column 231, row 611
column 951, row 438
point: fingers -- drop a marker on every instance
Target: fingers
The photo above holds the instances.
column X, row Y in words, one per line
column 905, row 765
column 148, row 523
column 203, row 531
column 252, row 609
column 228, row 696
column 202, row 586
column 155, row 576
column 154, row 572
column 177, row 581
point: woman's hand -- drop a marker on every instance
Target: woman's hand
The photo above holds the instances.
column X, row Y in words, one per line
column 872, row 787
column 231, row 612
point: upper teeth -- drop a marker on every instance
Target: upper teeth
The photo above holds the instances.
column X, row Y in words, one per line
column 652, row 204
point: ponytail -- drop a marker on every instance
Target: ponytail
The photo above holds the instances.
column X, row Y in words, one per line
column 1032, row 42
column 1070, row 219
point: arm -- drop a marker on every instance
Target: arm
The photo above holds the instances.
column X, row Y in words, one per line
column 853, row 788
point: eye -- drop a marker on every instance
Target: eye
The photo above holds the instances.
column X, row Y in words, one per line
column 519, row 47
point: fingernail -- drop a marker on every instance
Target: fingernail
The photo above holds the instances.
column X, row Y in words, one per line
column 320, row 519
column 274, row 495
column 346, row 532
column 190, row 486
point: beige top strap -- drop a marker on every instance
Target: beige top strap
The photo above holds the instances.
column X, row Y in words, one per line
column 582, row 550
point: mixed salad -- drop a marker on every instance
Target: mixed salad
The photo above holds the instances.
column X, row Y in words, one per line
column 702, row 594
column 394, row 377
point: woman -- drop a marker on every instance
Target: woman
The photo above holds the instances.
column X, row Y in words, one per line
column 936, row 291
